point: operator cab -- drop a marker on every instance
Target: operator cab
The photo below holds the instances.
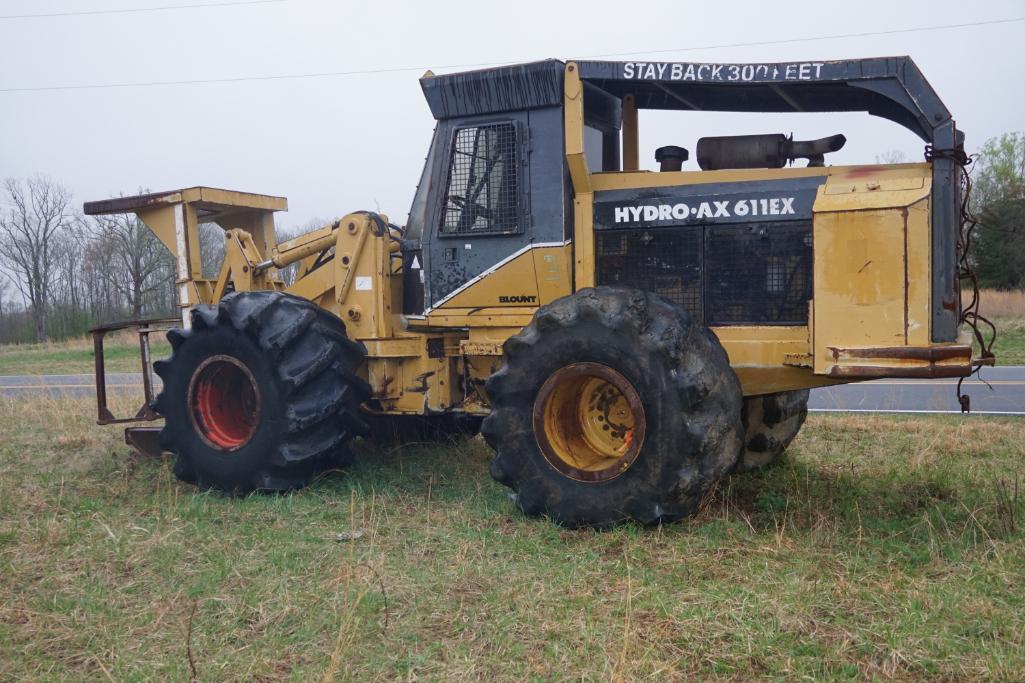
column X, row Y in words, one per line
column 524, row 157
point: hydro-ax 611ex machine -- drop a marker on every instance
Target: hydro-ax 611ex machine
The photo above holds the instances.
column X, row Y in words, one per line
column 627, row 337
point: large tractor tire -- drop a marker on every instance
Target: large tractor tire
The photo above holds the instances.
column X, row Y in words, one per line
column 770, row 423
column 613, row 404
column 260, row 394
column 398, row 430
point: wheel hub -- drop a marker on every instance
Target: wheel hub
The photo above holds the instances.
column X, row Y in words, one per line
column 589, row 422
column 224, row 402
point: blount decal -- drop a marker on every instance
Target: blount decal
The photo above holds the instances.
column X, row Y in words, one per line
column 646, row 213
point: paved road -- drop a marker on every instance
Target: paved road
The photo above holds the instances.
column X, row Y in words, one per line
column 14, row 386
column 1004, row 395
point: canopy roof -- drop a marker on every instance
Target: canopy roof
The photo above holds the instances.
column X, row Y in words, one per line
column 890, row 87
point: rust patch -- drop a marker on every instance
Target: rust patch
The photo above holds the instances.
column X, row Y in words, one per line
column 928, row 354
column 880, row 372
column 436, row 347
column 144, row 328
column 860, row 172
column 128, row 204
column 422, row 379
column 907, row 321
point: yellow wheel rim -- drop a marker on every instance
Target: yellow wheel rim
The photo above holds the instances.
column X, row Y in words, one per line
column 589, row 422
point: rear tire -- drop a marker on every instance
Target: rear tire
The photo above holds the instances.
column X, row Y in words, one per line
column 771, row 422
column 260, row 394
column 613, row 404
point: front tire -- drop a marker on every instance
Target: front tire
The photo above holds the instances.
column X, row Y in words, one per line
column 260, row 394
column 613, row 404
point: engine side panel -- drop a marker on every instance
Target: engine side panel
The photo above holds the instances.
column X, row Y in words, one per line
column 731, row 253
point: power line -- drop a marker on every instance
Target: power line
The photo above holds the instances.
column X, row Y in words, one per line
column 136, row 10
column 835, row 36
column 401, row 69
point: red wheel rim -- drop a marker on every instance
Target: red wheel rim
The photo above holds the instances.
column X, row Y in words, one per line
column 224, row 402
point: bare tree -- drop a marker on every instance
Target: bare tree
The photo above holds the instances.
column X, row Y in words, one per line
column 211, row 249
column 4, row 286
column 893, row 156
column 139, row 256
column 29, row 230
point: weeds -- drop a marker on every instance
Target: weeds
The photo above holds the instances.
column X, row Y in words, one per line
column 879, row 548
column 1007, row 505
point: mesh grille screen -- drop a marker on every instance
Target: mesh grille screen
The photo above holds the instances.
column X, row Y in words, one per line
column 664, row 261
column 722, row 274
column 482, row 184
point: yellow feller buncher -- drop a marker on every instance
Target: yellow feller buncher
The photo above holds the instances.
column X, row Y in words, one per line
column 627, row 338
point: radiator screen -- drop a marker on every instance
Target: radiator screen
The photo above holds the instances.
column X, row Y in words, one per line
column 756, row 274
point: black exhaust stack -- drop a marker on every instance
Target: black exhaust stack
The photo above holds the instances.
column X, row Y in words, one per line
column 763, row 151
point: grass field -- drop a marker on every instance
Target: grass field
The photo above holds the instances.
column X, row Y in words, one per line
column 1007, row 311
column 75, row 356
column 880, row 548
column 1010, row 344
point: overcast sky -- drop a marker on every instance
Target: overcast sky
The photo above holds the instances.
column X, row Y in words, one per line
column 338, row 144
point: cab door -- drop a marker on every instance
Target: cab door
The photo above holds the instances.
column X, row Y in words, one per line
column 480, row 218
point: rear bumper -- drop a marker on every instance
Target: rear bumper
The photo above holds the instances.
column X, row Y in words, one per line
column 954, row 360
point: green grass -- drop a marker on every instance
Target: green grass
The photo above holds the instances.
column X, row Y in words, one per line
column 76, row 356
column 1010, row 344
column 880, row 548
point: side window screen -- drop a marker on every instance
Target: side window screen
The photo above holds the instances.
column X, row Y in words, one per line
column 482, row 194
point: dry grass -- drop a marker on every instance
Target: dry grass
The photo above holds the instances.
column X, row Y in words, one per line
column 882, row 548
column 998, row 303
column 75, row 356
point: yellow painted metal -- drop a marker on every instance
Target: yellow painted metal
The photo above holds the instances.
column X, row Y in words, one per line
column 395, row 347
column 580, row 176
column 553, row 268
column 871, row 245
column 221, row 201
column 348, row 257
column 586, row 442
column 583, row 238
column 574, row 127
column 588, row 423
column 483, row 317
column 770, row 358
column 515, row 281
column 631, row 155
column 315, row 286
column 174, row 217
column 762, row 345
column 161, row 222
column 537, row 276
column 280, row 258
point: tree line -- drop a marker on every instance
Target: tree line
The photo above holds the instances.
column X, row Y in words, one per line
column 62, row 272
column 998, row 201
